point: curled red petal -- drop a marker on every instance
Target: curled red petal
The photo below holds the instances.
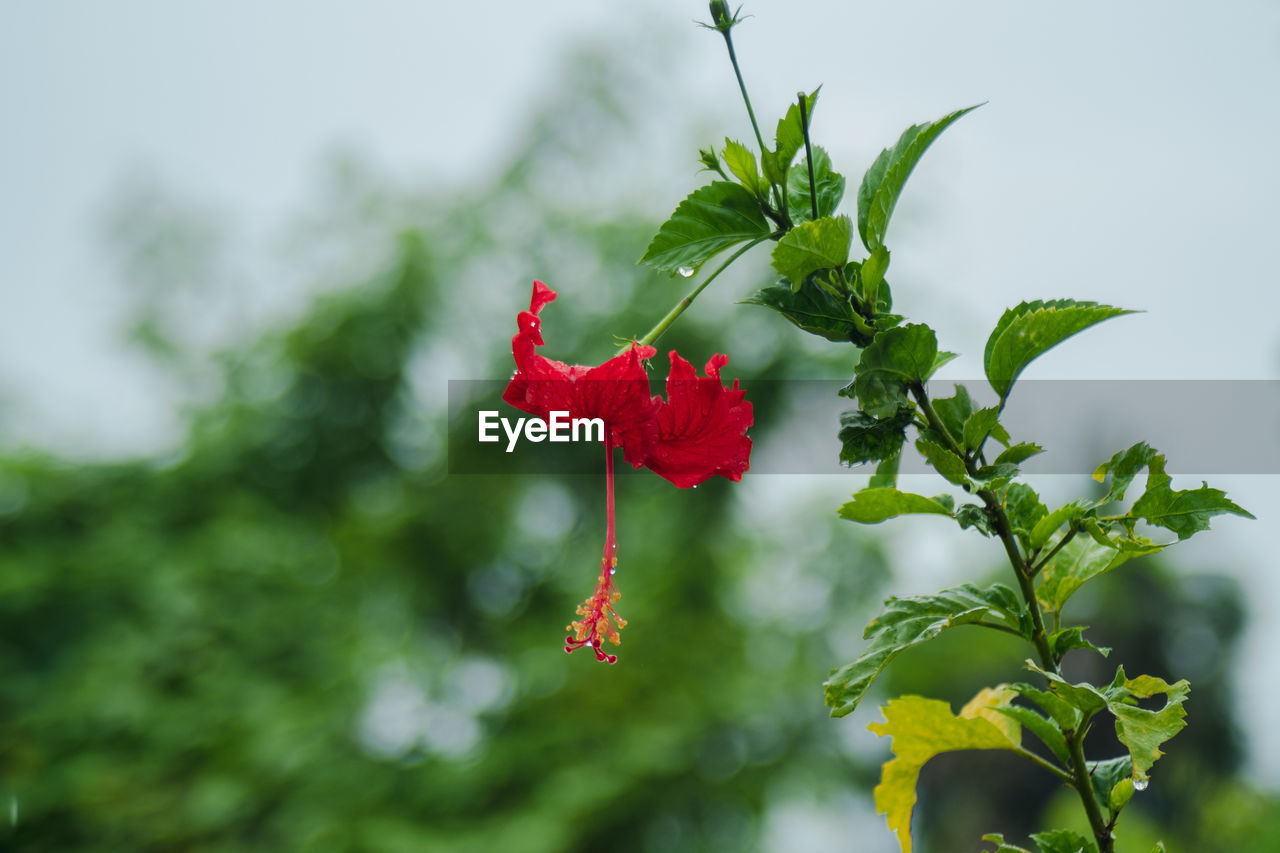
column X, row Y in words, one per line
column 616, row 391
column 702, row 426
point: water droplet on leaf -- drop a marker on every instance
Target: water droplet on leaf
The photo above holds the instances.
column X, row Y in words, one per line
column 1140, row 784
column 685, row 271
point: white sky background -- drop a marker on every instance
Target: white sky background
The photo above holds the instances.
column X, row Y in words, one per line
column 1127, row 154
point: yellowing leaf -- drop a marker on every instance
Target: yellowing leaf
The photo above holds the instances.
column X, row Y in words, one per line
column 922, row 728
column 1143, row 731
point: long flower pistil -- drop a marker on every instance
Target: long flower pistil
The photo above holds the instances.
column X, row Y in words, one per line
column 599, row 620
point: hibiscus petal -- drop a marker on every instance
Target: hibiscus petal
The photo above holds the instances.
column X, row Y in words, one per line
column 701, row 426
column 616, row 391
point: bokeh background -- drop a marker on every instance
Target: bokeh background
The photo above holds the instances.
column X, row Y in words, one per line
column 243, row 249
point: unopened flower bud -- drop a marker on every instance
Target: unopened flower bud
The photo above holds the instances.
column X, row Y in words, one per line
column 719, row 14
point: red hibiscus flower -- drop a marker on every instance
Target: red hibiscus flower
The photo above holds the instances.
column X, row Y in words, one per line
column 699, row 431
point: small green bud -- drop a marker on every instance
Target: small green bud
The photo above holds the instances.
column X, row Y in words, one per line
column 721, row 20
column 710, row 161
column 719, row 14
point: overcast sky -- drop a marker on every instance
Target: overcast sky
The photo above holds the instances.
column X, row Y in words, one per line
column 1126, row 154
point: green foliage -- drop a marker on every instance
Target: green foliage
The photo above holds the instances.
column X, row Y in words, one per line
column 979, row 425
column 788, row 140
column 1061, row 642
column 908, row 622
column 942, row 460
column 896, row 359
column 818, row 245
column 1063, row 841
column 711, row 219
column 815, row 309
column 742, row 163
column 874, row 505
column 1185, row 512
column 1031, row 329
column 883, row 182
column 829, row 186
column 1016, row 454
column 867, row 439
column 1077, row 562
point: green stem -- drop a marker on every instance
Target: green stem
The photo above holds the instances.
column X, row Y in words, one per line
column 742, row 87
column 1079, row 772
column 1071, row 533
column 808, row 156
column 779, row 195
column 656, row 332
column 1003, row 529
column 1084, row 787
column 1047, row 765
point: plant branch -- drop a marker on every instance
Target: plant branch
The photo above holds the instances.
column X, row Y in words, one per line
column 1003, row 529
column 1084, row 787
column 1078, row 777
column 1070, row 534
column 656, row 332
column 1047, row 765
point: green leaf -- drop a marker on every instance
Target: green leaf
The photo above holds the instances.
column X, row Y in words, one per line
column 872, row 506
column 1185, row 512
column 943, row 357
column 896, row 358
column 886, row 476
column 742, row 163
column 1019, row 453
column 994, row 477
column 712, row 219
column 1143, row 731
column 1031, row 329
column 818, row 245
column 1082, row 696
column 1063, row 841
column 1023, row 506
column 829, row 185
column 1120, row 795
column 908, row 622
column 943, row 461
column 1061, row 642
column 1079, row 561
column 1047, row 526
column 789, row 137
column 867, row 439
column 953, row 411
column 922, row 728
column 872, row 275
column 883, row 182
column 998, row 838
column 1123, row 467
column 1042, row 727
column 1105, row 775
column 975, row 516
column 816, row 310
column 982, row 423
column 1064, row 715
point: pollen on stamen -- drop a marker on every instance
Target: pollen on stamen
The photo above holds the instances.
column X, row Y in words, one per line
column 599, row 621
